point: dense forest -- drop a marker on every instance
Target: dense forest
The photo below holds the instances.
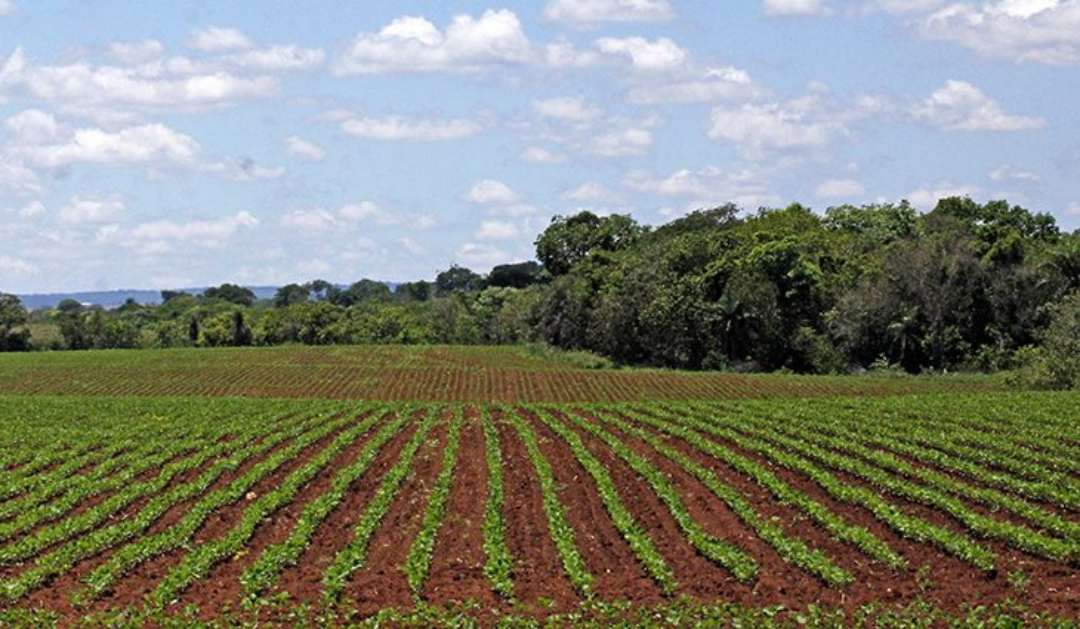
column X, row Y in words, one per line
column 967, row 286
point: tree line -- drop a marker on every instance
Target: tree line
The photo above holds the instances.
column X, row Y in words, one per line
column 970, row 286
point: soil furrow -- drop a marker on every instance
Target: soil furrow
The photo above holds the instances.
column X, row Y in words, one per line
column 619, row 575
column 457, row 565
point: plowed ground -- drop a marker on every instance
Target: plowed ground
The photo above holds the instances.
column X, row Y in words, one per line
column 976, row 499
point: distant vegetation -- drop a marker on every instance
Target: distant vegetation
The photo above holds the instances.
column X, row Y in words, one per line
column 969, row 286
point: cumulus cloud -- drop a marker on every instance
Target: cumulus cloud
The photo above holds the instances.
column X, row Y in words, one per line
column 1022, row 31
column 353, row 214
column 573, row 108
column 796, row 124
column 593, row 192
column 410, row 129
column 136, row 52
column 302, row 148
column 960, row 106
column 7, row 7
column 18, row 179
column 698, row 86
column 218, row 39
column 497, row 230
column 481, row 255
column 413, row 44
column 32, row 126
column 31, row 209
column 153, row 144
column 707, row 187
column 621, row 143
column 370, row 212
column 212, row 232
column 39, row 143
column 1008, row 173
column 16, row 266
column 927, row 197
column 644, row 55
column 92, row 209
column 491, row 192
column 595, row 11
column 540, row 155
column 288, row 58
column 83, row 89
column 839, row 189
column 795, row 7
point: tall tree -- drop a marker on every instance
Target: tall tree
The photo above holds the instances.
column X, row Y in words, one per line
column 569, row 240
column 13, row 316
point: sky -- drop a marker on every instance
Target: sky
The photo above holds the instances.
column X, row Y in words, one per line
column 190, row 143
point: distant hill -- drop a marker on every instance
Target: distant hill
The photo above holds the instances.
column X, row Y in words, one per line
column 114, row 298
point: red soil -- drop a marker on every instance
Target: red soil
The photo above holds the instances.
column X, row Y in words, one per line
column 540, row 582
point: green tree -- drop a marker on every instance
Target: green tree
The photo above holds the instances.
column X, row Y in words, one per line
column 457, row 278
column 14, row 337
column 231, row 293
column 569, row 240
column 518, row 275
column 69, row 305
column 408, row 292
column 291, row 294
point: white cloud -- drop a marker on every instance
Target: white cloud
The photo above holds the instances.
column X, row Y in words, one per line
column 120, row 93
column 413, row 44
column 34, row 208
column 514, row 210
column 302, row 148
column 497, row 230
column 927, row 197
column 412, row 246
column 16, row 266
column 314, row 219
column 414, row 130
column 657, row 56
column 7, row 7
column 896, row 7
column 218, row 39
column 136, row 52
column 622, row 143
column 572, row 108
column 491, row 192
column 352, row 214
column 1008, row 173
column 153, row 144
column 960, row 106
column 17, row 178
column 198, row 232
column 1073, row 209
column 839, row 188
column 32, row 126
column 241, row 169
column 708, row 187
column 481, row 255
column 279, row 58
column 796, row 124
column 1035, row 31
column 92, row 209
column 538, row 155
column 593, row 192
column 795, row 7
column 594, row 11
column 700, row 86
column 368, row 211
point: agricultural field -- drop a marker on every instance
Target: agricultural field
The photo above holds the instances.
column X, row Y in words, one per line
column 131, row 494
column 413, row 373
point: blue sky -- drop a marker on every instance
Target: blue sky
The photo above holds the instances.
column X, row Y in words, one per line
column 184, row 143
